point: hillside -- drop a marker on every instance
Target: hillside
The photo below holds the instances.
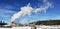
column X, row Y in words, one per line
column 47, row 22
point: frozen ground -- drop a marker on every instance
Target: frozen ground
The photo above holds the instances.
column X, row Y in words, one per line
column 25, row 27
column 38, row 27
column 48, row 27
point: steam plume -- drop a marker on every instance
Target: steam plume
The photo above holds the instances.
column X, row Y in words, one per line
column 44, row 7
column 27, row 10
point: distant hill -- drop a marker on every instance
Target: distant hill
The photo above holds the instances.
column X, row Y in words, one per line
column 47, row 22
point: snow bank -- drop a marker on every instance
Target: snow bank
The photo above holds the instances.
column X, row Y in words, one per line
column 48, row 27
column 37, row 27
column 25, row 27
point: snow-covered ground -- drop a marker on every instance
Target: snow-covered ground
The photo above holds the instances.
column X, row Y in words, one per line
column 38, row 27
column 25, row 27
column 47, row 27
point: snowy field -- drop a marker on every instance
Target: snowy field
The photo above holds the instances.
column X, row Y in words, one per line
column 38, row 27
column 25, row 27
column 48, row 27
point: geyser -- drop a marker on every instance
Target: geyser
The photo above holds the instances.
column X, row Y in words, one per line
column 27, row 10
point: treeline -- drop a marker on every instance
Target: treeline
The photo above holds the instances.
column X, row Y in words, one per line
column 2, row 23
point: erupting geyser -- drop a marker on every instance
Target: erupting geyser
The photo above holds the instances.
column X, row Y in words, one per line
column 27, row 10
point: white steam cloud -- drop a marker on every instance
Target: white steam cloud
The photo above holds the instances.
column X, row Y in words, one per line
column 44, row 7
column 27, row 10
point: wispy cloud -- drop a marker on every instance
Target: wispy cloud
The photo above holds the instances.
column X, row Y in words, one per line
column 6, row 11
column 6, row 14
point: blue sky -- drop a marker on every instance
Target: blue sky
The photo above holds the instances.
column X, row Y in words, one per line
column 10, row 7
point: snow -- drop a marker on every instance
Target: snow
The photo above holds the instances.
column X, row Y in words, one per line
column 25, row 27
column 38, row 27
column 47, row 27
